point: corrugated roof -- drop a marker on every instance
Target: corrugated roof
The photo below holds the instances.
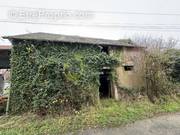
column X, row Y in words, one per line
column 71, row 39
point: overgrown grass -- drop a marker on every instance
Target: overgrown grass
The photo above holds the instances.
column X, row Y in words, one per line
column 109, row 113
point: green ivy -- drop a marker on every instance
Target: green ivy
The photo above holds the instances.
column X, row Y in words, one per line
column 53, row 77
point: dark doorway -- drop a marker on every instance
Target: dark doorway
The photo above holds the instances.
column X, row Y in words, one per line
column 104, row 89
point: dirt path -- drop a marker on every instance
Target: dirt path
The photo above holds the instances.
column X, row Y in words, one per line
column 161, row 125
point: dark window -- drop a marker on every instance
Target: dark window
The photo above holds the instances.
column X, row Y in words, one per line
column 105, row 49
column 128, row 68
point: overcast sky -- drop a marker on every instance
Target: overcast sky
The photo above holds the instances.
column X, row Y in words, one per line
column 112, row 19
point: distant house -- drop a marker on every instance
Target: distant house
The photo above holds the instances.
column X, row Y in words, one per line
column 128, row 73
column 5, row 51
column 4, row 64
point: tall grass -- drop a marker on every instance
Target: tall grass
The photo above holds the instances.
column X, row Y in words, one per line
column 109, row 113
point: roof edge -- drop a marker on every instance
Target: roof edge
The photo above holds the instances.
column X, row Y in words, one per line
column 72, row 39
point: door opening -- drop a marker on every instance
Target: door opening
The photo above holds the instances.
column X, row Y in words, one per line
column 105, row 89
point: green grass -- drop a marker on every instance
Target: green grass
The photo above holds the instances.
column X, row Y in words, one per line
column 109, row 113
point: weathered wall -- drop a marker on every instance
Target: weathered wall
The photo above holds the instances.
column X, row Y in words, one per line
column 129, row 56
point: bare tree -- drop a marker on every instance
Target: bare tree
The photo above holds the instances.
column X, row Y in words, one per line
column 156, row 79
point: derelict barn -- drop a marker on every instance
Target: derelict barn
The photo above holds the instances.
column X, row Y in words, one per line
column 50, row 72
column 128, row 72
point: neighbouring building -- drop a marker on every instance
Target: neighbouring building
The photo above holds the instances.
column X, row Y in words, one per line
column 129, row 72
column 4, row 64
column 5, row 51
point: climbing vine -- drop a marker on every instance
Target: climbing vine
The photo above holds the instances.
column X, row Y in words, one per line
column 53, row 77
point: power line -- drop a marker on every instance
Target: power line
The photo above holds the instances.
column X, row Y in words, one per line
column 145, row 28
column 104, row 12
column 175, row 26
column 160, row 26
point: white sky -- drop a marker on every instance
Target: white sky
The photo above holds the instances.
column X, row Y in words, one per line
column 110, row 32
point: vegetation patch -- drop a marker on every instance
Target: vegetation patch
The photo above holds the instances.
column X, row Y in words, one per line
column 109, row 113
column 52, row 77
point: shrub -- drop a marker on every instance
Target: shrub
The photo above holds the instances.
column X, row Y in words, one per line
column 157, row 82
column 173, row 64
column 161, row 64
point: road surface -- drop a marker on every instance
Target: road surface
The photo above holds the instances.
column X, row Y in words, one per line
column 161, row 125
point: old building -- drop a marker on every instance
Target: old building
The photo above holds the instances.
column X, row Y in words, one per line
column 128, row 73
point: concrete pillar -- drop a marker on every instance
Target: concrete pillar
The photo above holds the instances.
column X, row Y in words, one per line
column 1, row 83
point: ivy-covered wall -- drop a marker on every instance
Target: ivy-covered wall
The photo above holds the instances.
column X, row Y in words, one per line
column 53, row 77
